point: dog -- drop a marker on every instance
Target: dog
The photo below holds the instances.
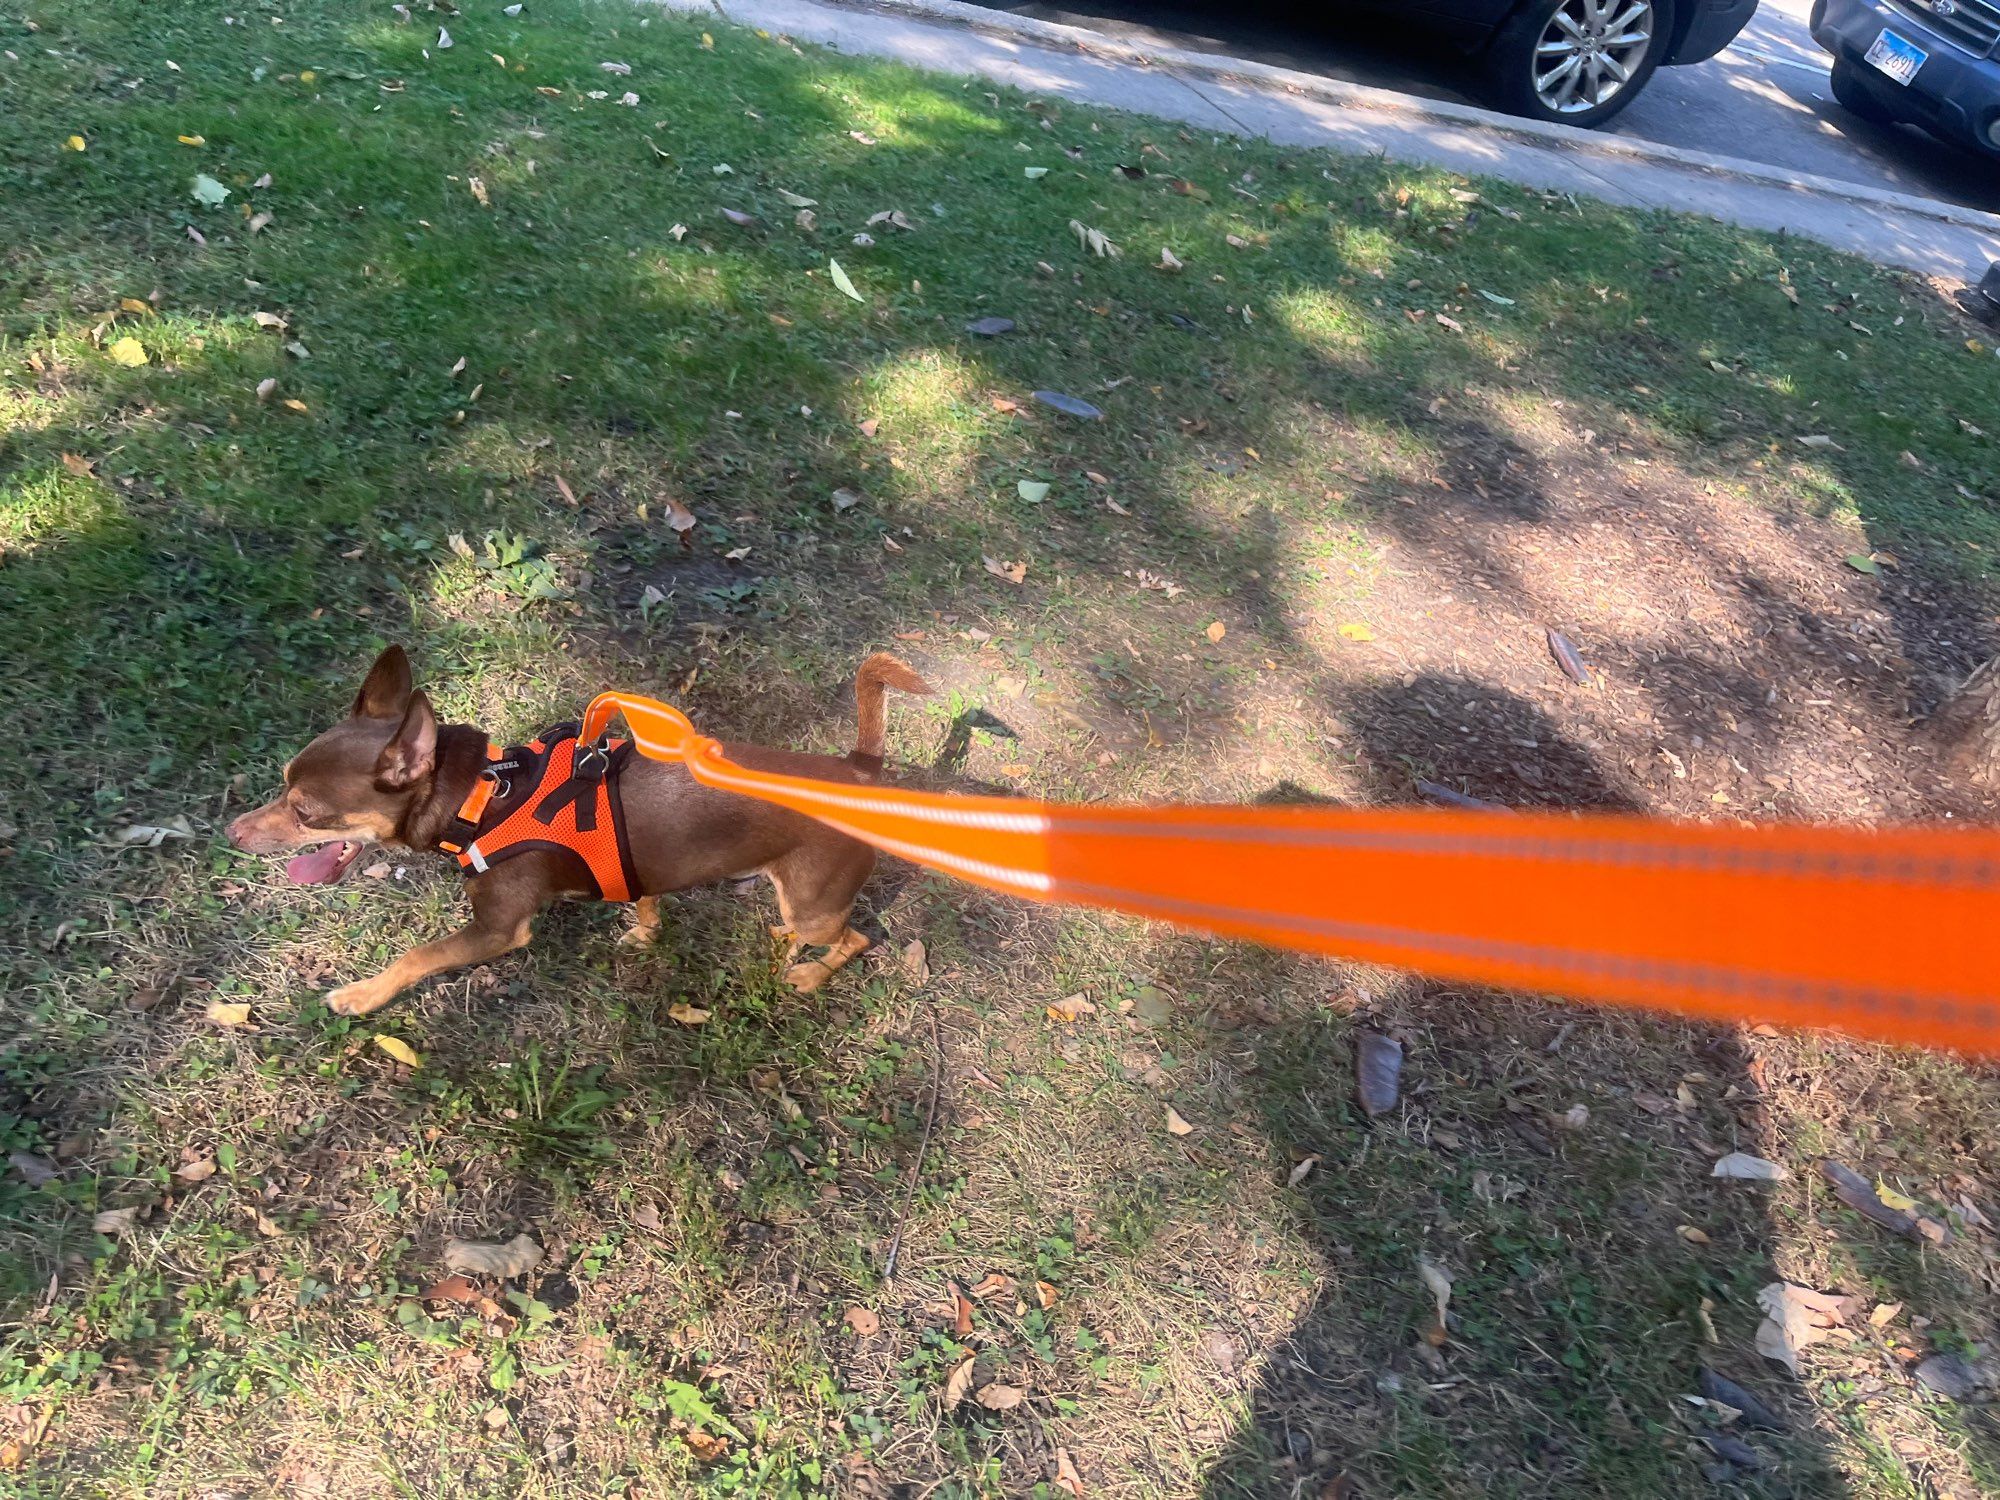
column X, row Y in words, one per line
column 389, row 774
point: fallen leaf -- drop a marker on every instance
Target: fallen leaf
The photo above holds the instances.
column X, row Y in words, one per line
column 452, row 1289
column 1046, row 1295
column 916, row 961
column 990, row 328
column 399, row 1049
column 477, row 187
column 864, row 242
column 737, row 217
column 207, row 190
column 1575, row 1117
column 1861, row 562
column 1301, row 1170
column 1095, row 240
column 76, row 143
column 1067, row 1479
column 259, row 222
column 272, row 320
column 705, row 1446
column 1013, row 572
column 796, row 200
column 1450, row 323
column 1438, row 1283
column 862, row 136
column 864, row 1323
column 262, row 182
column 196, row 235
column 961, row 1323
column 1175, row 1124
column 444, row 41
column 1034, row 491
column 1114, row 507
column 871, row 426
column 688, row 1015
column 1216, row 630
column 297, row 350
column 1071, row 1009
column 993, row 1285
column 1892, row 1211
column 1379, row 1072
column 1496, row 299
column 196, row 1171
column 894, row 217
column 679, row 517
column 1884, row 1314
column 78, row 465
column 1796, row 1317
column 128, row 352
column 1568, row 658
column 677, row 233
column 846, row 499
column 1001, row 1397
column 1751, row 1411
column 1069, row 405
column 224, row 1014
column 647, row 1216
column 840, row 280
column 1354, row 630
column 1691, row 1234
column 515, row 1257
column 1031, row 173
column 1169, row 261
column 115, row 1222
column 292, row 403
column 1747, row 1168
column 1818, row 440
column 958, row 1384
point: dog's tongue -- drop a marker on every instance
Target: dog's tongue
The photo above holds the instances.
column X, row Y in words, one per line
column 318, row 866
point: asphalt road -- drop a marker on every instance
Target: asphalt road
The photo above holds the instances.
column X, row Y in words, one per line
column 1765, row 98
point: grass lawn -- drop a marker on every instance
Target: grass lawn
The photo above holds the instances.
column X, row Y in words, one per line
column 436, row 370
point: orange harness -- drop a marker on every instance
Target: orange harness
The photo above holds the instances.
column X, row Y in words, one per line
column 568, row 799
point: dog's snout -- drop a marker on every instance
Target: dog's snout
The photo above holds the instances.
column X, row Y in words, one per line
column 236, row 830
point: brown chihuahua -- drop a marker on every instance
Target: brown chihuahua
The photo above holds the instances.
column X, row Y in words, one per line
column 525, row 824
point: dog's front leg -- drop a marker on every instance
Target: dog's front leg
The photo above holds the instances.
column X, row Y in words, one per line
column 504, row 902
column 471, row 944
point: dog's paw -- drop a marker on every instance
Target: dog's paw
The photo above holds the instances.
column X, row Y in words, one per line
column 808, row 976
column 638, row 936
column 355, row 999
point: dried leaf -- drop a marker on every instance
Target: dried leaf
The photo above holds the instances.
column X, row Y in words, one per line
column 452, row 1289
column 1169, row 261
column 1175, row 1124
column 1818, row 440
column 268, row 320
column 994, row 1285
column 1301, row 1170
column 196, row 1171
column 846, row 499
column 958, row 1384
column 1013, row 572
column 222, row 1013
column 292, row 403
column 515, row 1257
column 795, row 200
column 78, row 465
column 196, row 235
column 679, row 517
column 737, row 217
column 1034, row 491
column 1568, row 658
column 647, row 1216
column 116, row 1222
column 1691, row 1234
column 1031, row 173
column 1438, row 1283
column 1747, row 1168
column 444, row 41
column 688, row 1015
column 1069, row 1010
column 961, row 1323
column 840, row 280
column 1796, row 1317
column 260, row 221
column 208, row 191
column 297, row 350
column 1897, row 1216
column 399, row 1049
column 1448, row 323
column 1069, row 405
column 1095, row 240
column 1001, row 1397
column 1067, row 1479
column 262, row 182
column 623, row 70
column 1378, row 1071
column 990, row 328
column 1046, row 1295
column 864, row 1323
column 477, row 187
column 1216, row 630
column 128, row 352
column 1751, row 1411
column 864, row 242
column 266, row 387
column 916, row 961
column 1354, row 630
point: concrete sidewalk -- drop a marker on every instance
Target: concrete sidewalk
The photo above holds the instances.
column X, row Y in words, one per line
column 1228, row 96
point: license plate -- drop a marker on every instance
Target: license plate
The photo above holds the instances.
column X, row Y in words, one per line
column 1896, row 58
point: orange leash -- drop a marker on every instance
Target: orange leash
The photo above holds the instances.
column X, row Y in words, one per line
column 1892, row 934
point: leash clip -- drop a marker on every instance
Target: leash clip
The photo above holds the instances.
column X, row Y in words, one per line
column 591, row 762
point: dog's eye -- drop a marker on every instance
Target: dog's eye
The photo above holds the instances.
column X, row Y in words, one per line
column 311, row 816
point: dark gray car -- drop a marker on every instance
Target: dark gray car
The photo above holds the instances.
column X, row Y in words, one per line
column 1934, row 63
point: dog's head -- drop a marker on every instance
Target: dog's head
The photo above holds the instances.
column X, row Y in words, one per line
column 355, row 785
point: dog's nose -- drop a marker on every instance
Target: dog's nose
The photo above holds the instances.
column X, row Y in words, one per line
column 234, row 832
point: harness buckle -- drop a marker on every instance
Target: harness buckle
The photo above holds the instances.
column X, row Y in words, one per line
column 591, row 762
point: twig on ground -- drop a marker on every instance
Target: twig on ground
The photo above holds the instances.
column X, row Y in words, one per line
column 923, row 1150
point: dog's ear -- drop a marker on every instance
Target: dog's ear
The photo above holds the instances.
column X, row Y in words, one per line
column 386, row 693
column 412, row 749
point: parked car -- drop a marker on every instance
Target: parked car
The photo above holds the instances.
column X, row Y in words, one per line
column 1581, row 61
column 1934, row 63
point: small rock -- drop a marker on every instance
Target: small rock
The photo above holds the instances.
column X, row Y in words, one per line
column 1957, row 1378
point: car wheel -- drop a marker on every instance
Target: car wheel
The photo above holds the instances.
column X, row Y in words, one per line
column 1577, row 62
column 1856, row 96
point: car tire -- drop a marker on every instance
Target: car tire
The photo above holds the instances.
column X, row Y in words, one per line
column 1518, row 79
column 1857, row 96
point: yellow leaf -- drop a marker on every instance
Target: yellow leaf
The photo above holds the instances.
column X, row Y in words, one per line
column 1217, row 631
column 134, row 305
column 1354, row 630
column 76, row 143
column 192, row 140
column 227, row 1015
column 1893, row 1198
column 128, row 352
column 1071, row 1009
column 707, row 42
column 308, row 76
column 688, row 1015
column 399, row 1049
column 77, row 464
column 292, row 403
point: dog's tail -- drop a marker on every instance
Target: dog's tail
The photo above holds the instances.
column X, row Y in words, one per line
column 877, row 675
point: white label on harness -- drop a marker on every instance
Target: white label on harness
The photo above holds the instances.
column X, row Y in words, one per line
column 475, row 858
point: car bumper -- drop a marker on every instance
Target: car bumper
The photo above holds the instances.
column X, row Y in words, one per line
column 1955, row 94
column 1713, row 28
